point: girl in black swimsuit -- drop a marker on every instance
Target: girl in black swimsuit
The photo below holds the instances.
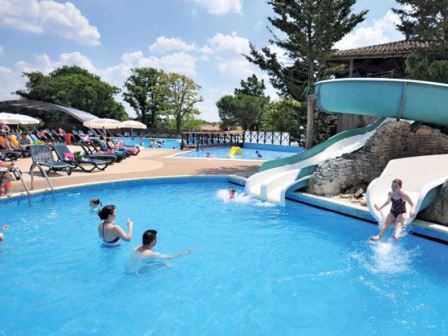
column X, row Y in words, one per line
column 110, row 232
column 397, row 211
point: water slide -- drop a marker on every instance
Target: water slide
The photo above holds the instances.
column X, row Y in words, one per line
column 421, row 176
column 382, row 98
column 276, row 177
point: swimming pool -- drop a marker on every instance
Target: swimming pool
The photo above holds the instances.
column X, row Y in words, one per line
column 267, row 152
column 255, row 269
column 147, row 143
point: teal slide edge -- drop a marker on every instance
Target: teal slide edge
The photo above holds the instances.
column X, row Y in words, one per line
column 320, row 147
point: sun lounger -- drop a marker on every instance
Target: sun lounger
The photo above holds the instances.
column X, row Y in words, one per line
column 98, row 155
column 86, row 164
column 43, row 157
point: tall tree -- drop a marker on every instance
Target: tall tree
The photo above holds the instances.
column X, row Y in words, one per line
column 284, row 115
column 243, row 110
column 74, row 87
column 426, row 21
column 252, row 86
column 181, row 95
column 143, row 93
column 308, row 31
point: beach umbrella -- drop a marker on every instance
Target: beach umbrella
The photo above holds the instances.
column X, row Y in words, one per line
column 103, row 123
column 133, row 124
column 17, row 119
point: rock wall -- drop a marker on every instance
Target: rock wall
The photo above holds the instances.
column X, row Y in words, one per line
column 438, row 211
column 392, row 140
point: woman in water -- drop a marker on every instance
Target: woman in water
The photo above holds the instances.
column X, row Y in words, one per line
column 110, row 232
column 397, row 212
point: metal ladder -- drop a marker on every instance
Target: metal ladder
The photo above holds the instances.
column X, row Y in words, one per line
column 44, row 174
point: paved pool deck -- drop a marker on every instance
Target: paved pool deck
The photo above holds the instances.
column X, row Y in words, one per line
column 149, row 163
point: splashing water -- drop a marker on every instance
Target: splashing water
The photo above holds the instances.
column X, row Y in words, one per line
column 387, row 257
column 223, row 195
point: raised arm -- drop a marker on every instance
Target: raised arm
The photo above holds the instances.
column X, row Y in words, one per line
column 127, row 236
column 386, row 203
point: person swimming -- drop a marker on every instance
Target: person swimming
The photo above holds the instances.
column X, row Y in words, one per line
column 258, row 154
column 232, row 194
column 109, row 232
column 397, row 212
column 4, row 228
column 95, row 204
column 149, row 241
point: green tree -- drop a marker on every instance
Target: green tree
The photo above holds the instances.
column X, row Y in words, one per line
column 74, row 87
column 251, row 87
column 284, row 115
column 144, row 94
column 243, row 110
column 426, row 21
column 308, row 30
column 181, row 94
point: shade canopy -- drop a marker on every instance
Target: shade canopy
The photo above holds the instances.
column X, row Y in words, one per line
column 102, row 123
column 17, row 119
column 132, row 124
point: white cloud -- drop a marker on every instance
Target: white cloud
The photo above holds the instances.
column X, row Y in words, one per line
column 44, row 64
column 10, row 81
column 380, row 31
column 220, row 57
column 164, row 45
column 62, row 19
column 229, row 44
column 219, row 7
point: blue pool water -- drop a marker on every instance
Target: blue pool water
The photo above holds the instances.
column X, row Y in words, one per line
column 255, row 269
column 247, row 153
column 147, row 143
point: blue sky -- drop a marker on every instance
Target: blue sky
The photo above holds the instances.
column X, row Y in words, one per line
column 203, row 39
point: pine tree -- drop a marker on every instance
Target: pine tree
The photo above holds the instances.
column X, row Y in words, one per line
column 308, row 31
column 426, row 21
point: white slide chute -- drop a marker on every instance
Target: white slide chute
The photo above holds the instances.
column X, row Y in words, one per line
column 272, row 184
column 421, row 176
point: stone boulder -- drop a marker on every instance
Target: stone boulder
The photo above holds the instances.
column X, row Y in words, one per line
column 392, row 140
column 437, row 212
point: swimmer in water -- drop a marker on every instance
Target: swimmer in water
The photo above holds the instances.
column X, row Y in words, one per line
column 397, row 212
column 258, row 154
column 108, row 231
column 232, row 194
column 208, row 154
column 4, row 228
column 149, row 241
column 95, row 204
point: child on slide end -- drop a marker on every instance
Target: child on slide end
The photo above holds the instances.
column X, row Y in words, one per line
column 397, row 212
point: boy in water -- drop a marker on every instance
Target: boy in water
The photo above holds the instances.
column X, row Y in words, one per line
column 149, row 241
column 4, row 228
column 95, row 204
column 232, row 194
